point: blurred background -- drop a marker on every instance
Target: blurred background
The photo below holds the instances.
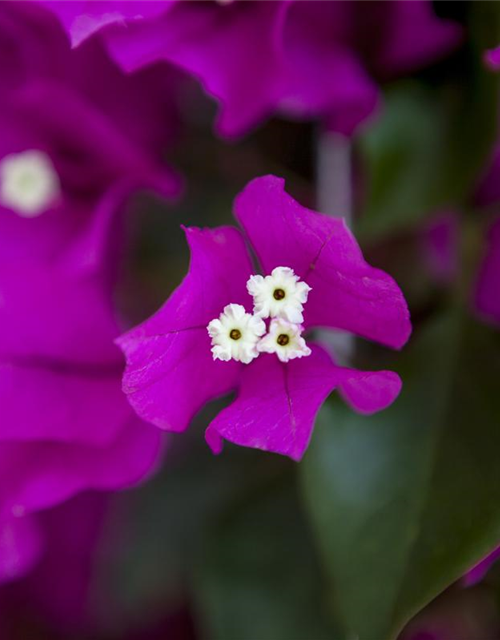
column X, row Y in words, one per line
column 374, row 534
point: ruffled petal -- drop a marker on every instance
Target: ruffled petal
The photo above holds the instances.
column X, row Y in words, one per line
column 233, row 50
column 492, row 59
column 277, row 403
column 347, row 293
column 69, row 404
column 368, row 391
column 47, row 314
column 83, row 19
column 487, row 297
column 323, row 73
column 411, row 37
column 20, row 547
column 38, row 475
column 170, row 371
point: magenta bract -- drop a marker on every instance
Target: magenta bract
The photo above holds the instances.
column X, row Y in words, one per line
column 170, row 370
column 303, row 59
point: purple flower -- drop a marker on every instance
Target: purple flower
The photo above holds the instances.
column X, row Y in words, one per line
column 492, row 58
column 77, row 136
column 487, row 299
column 302, row 59
column 315, row 272
column 440, row 244
column 20, row 547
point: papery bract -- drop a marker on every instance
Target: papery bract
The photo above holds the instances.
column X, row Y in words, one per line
column 303, row 59
column 170, row 371
column 492, row 59
column 66, row 426
column 487, row 292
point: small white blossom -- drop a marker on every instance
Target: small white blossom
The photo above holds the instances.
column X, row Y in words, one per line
column 235, row 334
column 280, row 295
column 285, row 340
column 29, row 183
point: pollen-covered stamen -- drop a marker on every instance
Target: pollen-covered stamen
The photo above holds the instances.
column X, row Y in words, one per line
column 29, row 184
column 285, row 340
column 279, row 295
column 235, row 334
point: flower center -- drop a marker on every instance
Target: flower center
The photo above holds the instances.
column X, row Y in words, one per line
column 278, row 294
column 235, row 334
column 283, row 339
column 29, row 184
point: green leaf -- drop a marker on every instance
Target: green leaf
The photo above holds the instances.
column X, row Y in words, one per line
column 403, row 156
column 260, row 578
column 404, row 502
column 432, row 142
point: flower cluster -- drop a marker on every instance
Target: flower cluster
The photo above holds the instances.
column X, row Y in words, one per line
column 174, row 367
column 238, row 335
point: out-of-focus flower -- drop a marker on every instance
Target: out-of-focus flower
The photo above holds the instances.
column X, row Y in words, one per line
column 302, row 59
column 77, row 136
column 487, row 292
column 492, row 59
column 172, row 372
column 440, row 247
column 70, row 535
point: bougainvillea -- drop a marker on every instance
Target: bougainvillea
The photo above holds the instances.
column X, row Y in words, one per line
column 315, row 276
column 69, row 157
column 302, row 59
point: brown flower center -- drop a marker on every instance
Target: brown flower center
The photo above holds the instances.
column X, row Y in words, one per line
column 278, row 294
column 235, row 334
column 283, row 339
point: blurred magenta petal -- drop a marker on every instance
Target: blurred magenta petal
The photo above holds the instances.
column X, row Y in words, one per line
column 82, row 19
column 324, row 75
column 170, row 372
column 347, row 293
column 303, row 59
column 414, row 36
column 440, row 244
column 488, row 189
column 66, row 426
column 20, row 547
column 492, row 59
column 72, row 532
column 61, row 402
column 478, row 572
column 487, row 293
column 38, row 475
column 197, row 36
column 49, row 316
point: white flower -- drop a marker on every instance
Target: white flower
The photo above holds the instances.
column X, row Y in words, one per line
column 29, row 183
column 280, row 295
column 235, row 334
column 285, row 340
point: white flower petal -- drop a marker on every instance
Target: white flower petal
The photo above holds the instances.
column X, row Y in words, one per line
column 235, row 334
column 279, row 295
